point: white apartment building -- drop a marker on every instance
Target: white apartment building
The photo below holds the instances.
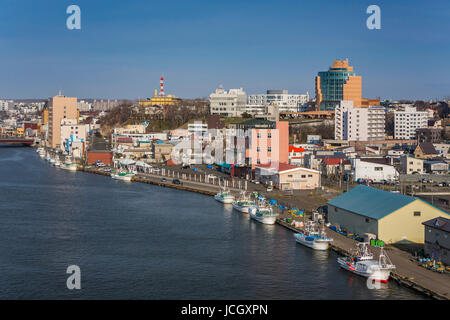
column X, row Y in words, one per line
column 229, row 103
column 84, row 106
column 281, row 98
column 6, row 105
column 407, row 121
column 359, row 123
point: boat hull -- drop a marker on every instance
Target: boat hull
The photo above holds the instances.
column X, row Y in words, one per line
column 69, row 168
column 121, row 178
column 226, row 200
column 243, row 209
column 381, row 275
column 263, row 219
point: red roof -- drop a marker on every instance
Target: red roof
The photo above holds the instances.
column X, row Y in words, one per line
column 333, row 161
column 295, row 149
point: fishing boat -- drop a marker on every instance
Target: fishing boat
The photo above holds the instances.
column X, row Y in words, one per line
column 41, row 152
column 363, row 264
column 312, row 238
column 57, row 162
column 224, row 196
column 243, row 203
column 123, row 176
column 262, row 212
column 69, row 166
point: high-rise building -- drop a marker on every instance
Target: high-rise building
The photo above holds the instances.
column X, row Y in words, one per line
column 338, row 83
column 359, row 123
column 407, row 121
column 59, row 108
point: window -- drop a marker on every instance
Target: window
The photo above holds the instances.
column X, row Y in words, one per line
column 378, row 168
column 309, row 175
column 367, row 220
column 269, row 135
column 416, row 213
column 303, row 175
column 269, row 149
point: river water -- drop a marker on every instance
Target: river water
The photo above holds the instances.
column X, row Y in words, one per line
column 139, row 241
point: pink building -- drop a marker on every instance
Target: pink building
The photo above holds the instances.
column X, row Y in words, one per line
column 267, row 142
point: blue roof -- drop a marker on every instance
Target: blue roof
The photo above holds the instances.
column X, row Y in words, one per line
column 371, row 202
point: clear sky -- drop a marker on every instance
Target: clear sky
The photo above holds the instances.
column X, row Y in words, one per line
column 123, row 47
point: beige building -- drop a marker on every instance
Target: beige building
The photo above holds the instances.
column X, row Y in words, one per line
column 59, row 108
column 162, row 152
column 392, row 217
column 410, row 165
column 73, row 137
column 288, row 177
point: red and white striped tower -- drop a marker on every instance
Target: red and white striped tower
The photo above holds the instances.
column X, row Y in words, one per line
column 161, row 91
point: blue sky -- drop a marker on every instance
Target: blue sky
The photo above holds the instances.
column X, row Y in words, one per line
column 123, row 47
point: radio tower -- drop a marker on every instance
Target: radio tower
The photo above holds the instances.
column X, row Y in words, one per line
column 161, row 91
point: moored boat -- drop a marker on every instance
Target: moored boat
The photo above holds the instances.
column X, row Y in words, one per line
column 363, row 264
column 224, row 196
column 69, row 166
column 312, row 238
column 262, row 212
column 243, row 203
column 123, row 176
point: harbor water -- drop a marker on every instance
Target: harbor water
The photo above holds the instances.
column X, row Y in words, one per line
column 139, row 241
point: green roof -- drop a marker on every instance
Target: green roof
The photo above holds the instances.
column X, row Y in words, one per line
column 371, row 202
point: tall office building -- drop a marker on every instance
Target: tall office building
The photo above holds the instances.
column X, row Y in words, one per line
column 359, row 123
column 59, row 108
column 338, row 83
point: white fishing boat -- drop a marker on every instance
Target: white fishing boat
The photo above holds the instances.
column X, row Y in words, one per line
column 224, row 196
column 363, row 264
column 243, row 203
column 312, row 238
column 57, row 162
column 122, row 175
column 52, row 161
column 262, row 212
column 69, row 166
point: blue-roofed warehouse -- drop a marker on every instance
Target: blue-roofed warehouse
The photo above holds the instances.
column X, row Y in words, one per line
column 392, row 217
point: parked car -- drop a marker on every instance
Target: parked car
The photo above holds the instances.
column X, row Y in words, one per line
column 185, row 167
column 269, row 188
column 163, row 180
column 176, row 181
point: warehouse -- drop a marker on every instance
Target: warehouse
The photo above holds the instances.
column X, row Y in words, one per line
column 391, row 216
